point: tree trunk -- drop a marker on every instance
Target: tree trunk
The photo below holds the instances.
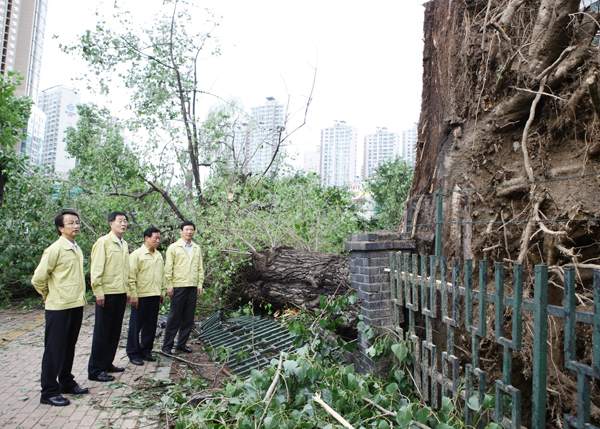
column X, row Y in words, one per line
column 290, row 277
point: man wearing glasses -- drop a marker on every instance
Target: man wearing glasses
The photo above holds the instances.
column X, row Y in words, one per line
column 60, row 280
column 109, row 277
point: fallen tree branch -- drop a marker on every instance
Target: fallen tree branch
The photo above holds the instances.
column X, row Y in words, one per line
column 187, row 362
column 271, row 391
column 331, row 411
column 380, row 408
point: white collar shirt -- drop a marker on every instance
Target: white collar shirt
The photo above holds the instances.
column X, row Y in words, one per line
column 73, row 244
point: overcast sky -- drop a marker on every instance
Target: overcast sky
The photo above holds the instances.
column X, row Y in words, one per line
column 368, row 57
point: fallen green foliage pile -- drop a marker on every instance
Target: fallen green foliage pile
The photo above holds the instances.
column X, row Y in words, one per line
column 290, row 395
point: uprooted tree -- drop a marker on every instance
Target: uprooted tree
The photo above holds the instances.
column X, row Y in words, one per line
column 511, row 113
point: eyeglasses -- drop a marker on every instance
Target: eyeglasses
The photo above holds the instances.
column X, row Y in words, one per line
column 120, row 222
column 72, row 223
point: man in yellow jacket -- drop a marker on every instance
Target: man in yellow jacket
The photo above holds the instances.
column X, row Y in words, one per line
column 109, row 277
column 184, row 276
column 147, row 290
column 60, row 280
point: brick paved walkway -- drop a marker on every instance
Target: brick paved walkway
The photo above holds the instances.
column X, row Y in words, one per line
column 21, row 349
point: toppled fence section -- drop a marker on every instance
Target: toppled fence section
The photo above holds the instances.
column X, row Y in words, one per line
column 420, row 288
column 248, row 342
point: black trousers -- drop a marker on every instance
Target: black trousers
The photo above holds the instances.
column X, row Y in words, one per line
column 62, row 331
column 143, row 319
column 107, row 331
column 181, row 316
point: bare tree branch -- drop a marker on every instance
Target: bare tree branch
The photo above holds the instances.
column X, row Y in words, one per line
column 166, row 197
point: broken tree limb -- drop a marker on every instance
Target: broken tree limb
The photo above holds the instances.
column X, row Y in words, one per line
column 271, row 391
column 331, row 411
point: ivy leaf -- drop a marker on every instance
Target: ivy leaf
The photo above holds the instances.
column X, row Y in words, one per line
column 400, row 351
column 473, row 403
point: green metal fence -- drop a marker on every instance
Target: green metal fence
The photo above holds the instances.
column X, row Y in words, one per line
column 422, row 286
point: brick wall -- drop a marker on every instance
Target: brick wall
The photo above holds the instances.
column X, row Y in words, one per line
column 369, row 257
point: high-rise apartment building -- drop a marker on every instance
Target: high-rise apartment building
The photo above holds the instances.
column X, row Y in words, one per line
column 339, row 146
column 24, row 23
column 33, row 143
column 311, row 162
column 409, row 144
column 379, row 146
column 266, row 124
column 59, row 103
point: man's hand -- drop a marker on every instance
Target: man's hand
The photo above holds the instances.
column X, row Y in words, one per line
column 134, row 301
column 170, row 292
column 100, row 301
column 163, row 299
column 128, row 300
column 199, row 291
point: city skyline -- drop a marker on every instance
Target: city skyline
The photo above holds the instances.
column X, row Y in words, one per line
column 370, row 78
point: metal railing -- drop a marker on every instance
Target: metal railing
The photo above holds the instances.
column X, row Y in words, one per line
column 419, row 285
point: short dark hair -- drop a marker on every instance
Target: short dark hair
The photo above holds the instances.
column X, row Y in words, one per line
column 149, row 231
column 187, row 223
column 58, row 220
column 113, row 216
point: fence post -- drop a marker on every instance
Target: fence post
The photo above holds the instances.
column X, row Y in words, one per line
column 540, row 347
column 438, row 222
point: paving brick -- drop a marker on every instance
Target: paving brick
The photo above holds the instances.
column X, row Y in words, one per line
column 25, row 354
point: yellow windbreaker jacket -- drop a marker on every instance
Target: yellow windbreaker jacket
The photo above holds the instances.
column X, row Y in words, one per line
column 182, row 270
column 110, row 266
column 59, row 277
column 146, row 273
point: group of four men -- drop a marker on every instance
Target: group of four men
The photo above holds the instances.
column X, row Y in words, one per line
column 118, row 279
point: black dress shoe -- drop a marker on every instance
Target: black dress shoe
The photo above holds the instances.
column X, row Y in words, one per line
column 149, row 358
column 101, row 377
column 167, row 352
column 138, row 362
column 75, row 390
column 184, row 349
column 113, row 368
column 56, row 401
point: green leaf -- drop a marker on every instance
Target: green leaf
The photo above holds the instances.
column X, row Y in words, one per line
column 473, row 403
column 400, row 351
column 447, row 404
column 489, row 401
column 392, row 388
